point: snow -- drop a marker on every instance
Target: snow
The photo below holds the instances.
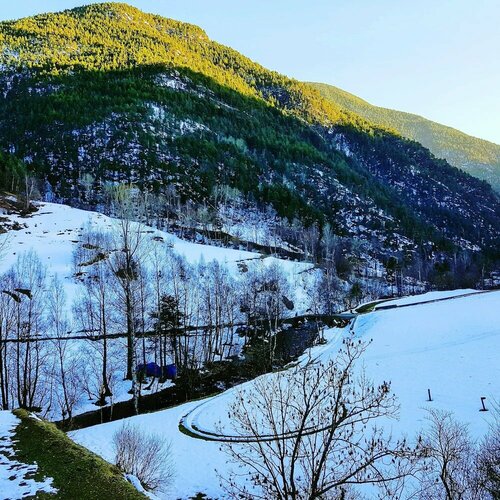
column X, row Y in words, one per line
column 16, row 478
column 195, row 460
column 450, row 347
column 171, row 81
column 189, row 126
column 137, row 485
column 426, row 297
column 54, row 231
column 121, row 392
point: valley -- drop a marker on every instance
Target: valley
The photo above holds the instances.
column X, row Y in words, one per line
column 219, row 281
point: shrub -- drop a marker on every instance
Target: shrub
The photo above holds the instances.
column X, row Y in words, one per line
column 144, row 455
column 488, row 459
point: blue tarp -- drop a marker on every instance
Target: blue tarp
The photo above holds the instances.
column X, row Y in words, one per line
column 153, row 370
column 170, row 371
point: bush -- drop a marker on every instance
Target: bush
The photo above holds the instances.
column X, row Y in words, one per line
column 143, row 455
column 449, row 454
column 488, row 460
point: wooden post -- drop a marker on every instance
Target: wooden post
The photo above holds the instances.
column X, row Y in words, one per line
column 482, row 402
column 429, row 394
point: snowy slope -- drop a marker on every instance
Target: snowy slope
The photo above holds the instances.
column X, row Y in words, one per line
column 54, row 230
column 450, row 347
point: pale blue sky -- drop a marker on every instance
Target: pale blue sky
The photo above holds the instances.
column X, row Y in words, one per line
column 437, row 58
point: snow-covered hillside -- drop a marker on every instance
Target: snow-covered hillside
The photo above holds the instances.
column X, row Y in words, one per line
column 450, row 347
column 54, row 230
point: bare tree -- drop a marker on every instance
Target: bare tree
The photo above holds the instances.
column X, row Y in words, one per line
column 24, row 366
column 310, row 432
column 66, row 361
column 326, row 293
column 183, row 286
column 144, row 305
column 4, row 244
column 158, row 257
column 115, row 262
column 220, row 302
column 8, row 318
column 145, row 456
column 266, row 300
column 310, row 241
column 449, row 453
column 329, row 243
column 94, row 305
column 30, row 191
column 125, row 262
column 86, row 183
column 28, row 362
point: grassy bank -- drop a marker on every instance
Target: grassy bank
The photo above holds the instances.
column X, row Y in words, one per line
column 78, row 473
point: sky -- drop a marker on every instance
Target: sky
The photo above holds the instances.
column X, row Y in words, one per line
column 437, row 58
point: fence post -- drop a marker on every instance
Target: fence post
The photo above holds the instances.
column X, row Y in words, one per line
column 482, row 402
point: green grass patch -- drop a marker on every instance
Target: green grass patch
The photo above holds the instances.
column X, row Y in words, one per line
column 370, row 306
column 77, row 472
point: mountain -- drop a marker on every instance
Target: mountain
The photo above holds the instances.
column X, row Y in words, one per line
column 475, row 156
column 106, row 93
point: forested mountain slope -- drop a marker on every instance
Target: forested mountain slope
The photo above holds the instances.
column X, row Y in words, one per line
column 106, row 93
column 475, row 156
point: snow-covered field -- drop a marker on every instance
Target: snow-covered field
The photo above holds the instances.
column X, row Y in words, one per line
column 16, row 478
column 450, row 347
